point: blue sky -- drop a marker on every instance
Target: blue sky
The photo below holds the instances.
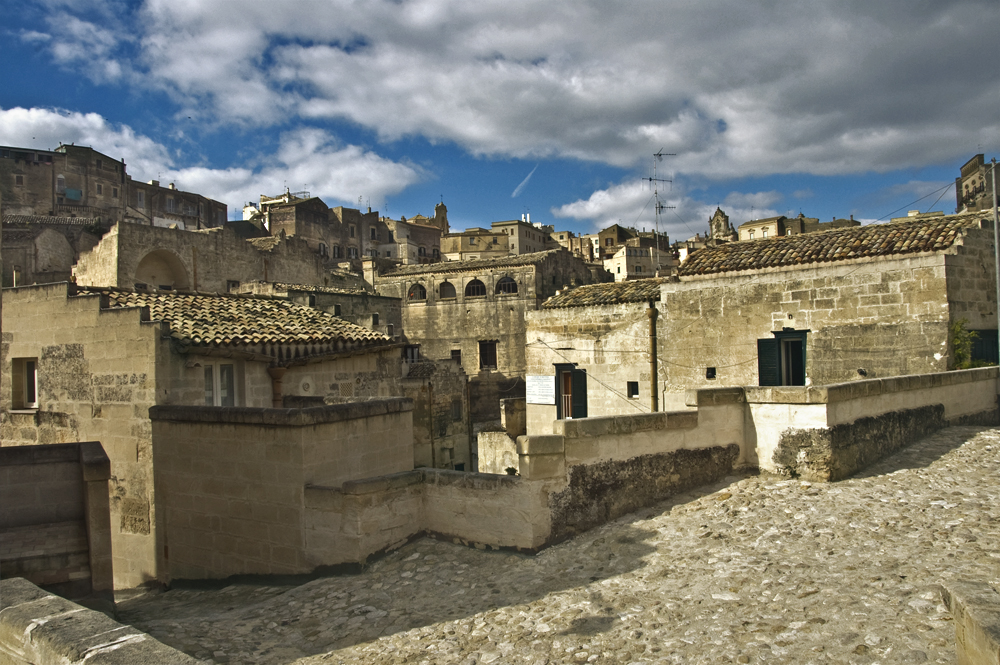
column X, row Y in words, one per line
column 830, row 108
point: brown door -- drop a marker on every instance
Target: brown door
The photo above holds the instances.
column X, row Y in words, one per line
column 566, row 391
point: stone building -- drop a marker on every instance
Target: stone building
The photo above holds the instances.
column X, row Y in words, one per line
column 441, row 414
column 771, row 227
column 89, row 364
column 474, row 244
column 813, row 309
column 215, row 260
column 417, row 239
column 78, row 181
column 38, row 248
column 974, row 187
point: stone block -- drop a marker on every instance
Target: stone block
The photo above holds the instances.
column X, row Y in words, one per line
column 975, row 608
column 545, row 444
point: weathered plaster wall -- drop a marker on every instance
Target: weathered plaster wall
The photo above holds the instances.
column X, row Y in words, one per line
column 440, row 414
column 96, row 373
column 232, row 481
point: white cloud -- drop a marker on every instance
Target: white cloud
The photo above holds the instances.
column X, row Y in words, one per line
column 305, row 159
column 736, row 89
column 632, row 204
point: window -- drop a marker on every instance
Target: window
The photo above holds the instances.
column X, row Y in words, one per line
column 507, row 285
column 456, row 410
column 389, row 330
column 100, row 165
column 60, row 184
column 220, row 384
column 638, row 268
column 373, row 232
column 170, row 205
column 140, row 199
column 447, row 290
column 352, row 230
column 421, row 251
column 336, row 310
column 571, row 392
column 114, row 192
column 352, row 252
column 411, row 354
column 232, row 285
column 417, row 292
column 633, row 389
column 374, row 319
column 323, row 251
column 608, row 242
column 782, row 361
column 456, row 355
column 751, row 234
column 437, row 253
column 19, row 180
column 709, row 372
column 475, row 289
column 763, row 233
column 100, row 189
column 336, row 252
column 24, row 383
column 487, row 355
column 388, row 254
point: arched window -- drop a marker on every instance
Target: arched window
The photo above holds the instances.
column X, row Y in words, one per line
column 417, row 292
column 447, row 290
column 506, row 285
column 474, row 289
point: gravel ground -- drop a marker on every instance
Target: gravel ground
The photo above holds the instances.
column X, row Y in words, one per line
column 753, row 569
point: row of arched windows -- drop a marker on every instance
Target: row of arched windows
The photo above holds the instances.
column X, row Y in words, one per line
column 474, row 289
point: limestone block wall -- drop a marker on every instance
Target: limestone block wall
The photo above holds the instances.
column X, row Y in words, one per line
column 231, row 481
column 96, row 382
column 440, row 414
column 971, row 278
column 888, row 316
column 201, row 260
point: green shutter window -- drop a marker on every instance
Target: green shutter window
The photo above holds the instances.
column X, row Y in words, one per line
column 579, row 393
column 768, row 362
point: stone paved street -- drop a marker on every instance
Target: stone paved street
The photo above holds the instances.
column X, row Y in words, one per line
column 755, row 569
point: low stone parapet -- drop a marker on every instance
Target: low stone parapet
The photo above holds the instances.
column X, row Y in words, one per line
column 37, row 628
column 975, row 607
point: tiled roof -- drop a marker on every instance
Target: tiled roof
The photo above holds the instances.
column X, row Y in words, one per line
column 612, row 293
column 924, row 235
column 203, row 319
column 285, row 286
column 47, row 219
column 474, row 265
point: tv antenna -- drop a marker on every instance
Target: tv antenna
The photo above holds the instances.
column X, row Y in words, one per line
column 659, row 207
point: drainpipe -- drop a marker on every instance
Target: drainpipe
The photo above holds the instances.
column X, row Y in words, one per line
column 654, row 398
column 996, row 245
column 277, row 401
column 430, row 422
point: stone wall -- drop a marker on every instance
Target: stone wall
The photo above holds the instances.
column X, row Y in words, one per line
column 210, row 260
column 231, row 481
column 975, row 608
column 55, row 524
column 96, row 381
column 441, row 437
column 831, row 432
column 42, row 250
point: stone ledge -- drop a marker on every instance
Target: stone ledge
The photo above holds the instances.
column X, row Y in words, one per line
column 39, row 454
column 37, row 627
column 714, row 396
column 541, row 444
column 315, row 415
column 627, row 424
column 382, row 483
column 975, row 607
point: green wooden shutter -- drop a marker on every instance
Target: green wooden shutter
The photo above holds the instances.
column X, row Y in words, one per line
column 579, row 393
column 768, row 362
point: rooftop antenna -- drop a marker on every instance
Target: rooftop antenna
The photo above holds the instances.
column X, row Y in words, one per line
column 660, row 207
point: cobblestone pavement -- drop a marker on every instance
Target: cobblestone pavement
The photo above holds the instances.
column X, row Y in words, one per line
column 754, row 569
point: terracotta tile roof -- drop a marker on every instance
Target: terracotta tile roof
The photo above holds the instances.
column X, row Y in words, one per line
column 922, row 235
column 46, row 219
column 475, row 265
column 210, row 319
column 612, row 293
column 285, row 286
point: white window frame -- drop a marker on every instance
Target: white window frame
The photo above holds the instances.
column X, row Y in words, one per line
column 24, row 383
column 215, row 398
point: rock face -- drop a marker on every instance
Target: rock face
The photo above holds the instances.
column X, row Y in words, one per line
column 751, row 569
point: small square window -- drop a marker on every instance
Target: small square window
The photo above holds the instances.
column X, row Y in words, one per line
column 456, row 355
column 633, row 389
column 19, row 180
column 220, row 384
column 232, row 285
column 709, row 372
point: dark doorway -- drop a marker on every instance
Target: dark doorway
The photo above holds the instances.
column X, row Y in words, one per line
column 782, row 361
column 571, row 392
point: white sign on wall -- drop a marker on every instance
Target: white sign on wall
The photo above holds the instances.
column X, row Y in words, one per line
column 540, row 389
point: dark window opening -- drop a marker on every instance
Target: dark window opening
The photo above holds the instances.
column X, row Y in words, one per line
column 633, row 388
column 411, row 354
column 571, row 392
column 709, row 372
column 232, row 285
column 460, row 466
column 782, row 361
column 506, row 285
column 456, row 355
column 417, row 292
column 375, row 319
column 336, row 310
column 389, row 330
column 984, row 346
column 456, row 410
column 447, row 290
column 487, row 355
column 475, row 289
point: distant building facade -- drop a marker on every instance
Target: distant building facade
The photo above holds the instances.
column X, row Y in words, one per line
column 974, row 187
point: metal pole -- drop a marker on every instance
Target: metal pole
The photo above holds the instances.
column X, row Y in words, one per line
column 654, row 398
column 996, row 247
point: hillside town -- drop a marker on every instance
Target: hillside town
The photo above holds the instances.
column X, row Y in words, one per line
column 306, row 390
